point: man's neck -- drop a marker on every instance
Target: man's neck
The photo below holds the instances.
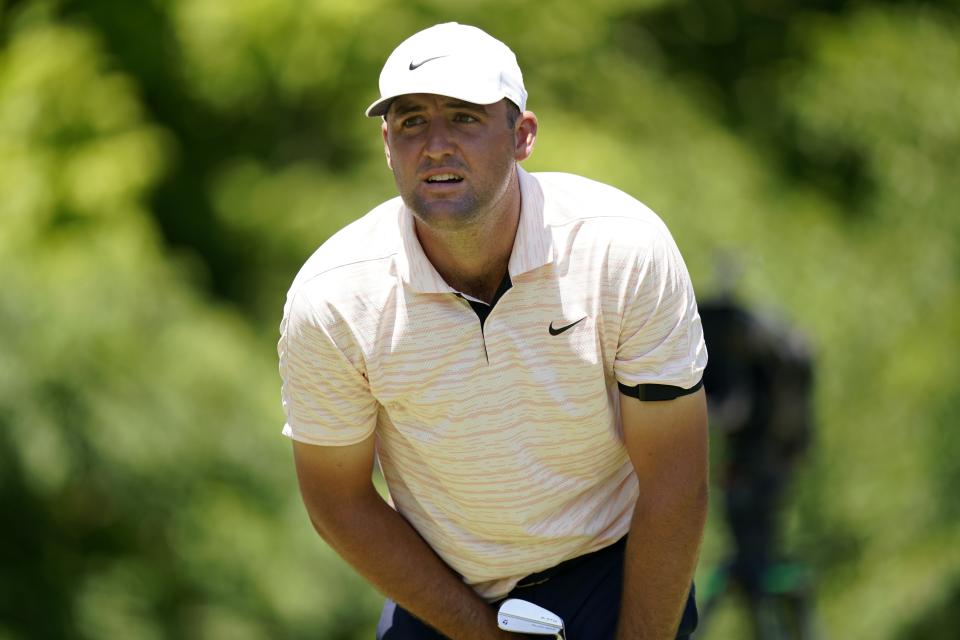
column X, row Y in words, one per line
column 473, row 260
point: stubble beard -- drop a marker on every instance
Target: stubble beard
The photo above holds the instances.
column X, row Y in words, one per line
column 452, row 213
column 455, row 213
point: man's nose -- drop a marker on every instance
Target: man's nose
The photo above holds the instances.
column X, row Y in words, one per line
column 439, row 142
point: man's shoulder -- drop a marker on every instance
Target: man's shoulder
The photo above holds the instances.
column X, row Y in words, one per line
column 585, row 214
column 365, row 246
column 569, row 198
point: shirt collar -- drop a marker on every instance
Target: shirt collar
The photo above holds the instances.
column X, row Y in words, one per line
column 532, row 247
column 412, row 264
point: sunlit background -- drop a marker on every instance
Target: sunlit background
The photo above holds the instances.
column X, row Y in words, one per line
column 167, row 165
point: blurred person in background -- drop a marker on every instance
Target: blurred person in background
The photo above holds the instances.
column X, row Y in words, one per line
column 521, row 353
column 759, row 386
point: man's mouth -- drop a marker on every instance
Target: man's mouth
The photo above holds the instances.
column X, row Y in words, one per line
column 444, row 178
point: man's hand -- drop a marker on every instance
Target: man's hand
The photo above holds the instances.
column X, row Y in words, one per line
column 667, row 443
column 380, row 544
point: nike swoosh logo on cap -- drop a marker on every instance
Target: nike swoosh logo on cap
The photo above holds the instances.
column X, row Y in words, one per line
column 423, row 62
column 557, row 331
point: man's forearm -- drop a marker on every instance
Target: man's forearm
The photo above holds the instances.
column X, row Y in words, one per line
column 382, row 546
column 661, row 558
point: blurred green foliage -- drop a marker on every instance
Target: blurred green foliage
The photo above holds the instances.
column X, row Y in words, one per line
column 166, row 166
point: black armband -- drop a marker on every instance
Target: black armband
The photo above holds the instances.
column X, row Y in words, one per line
column 655, row 392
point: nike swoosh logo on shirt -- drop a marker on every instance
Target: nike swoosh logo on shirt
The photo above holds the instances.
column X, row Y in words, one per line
column 423, row 62
column 558, row 330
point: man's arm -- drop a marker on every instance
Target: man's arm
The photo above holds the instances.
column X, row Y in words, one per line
column 667, row 443
column 380, row 544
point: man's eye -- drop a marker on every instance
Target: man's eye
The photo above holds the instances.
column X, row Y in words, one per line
column 412, row 121
column 464, row 117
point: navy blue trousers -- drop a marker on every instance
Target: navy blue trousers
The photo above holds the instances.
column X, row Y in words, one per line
column 585, row 592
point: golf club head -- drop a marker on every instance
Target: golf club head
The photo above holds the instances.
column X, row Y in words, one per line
column 520, row 616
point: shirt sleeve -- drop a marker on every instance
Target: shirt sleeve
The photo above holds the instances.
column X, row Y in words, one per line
column 661, row 353
column 325, row 391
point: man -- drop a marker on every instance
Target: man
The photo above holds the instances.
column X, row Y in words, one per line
column 521, row 353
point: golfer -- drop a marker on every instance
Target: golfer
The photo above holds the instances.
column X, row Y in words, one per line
column 521, row 353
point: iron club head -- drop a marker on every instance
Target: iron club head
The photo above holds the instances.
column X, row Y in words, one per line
column 520, row 616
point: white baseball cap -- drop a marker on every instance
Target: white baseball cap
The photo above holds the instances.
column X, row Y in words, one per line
column 452, row 60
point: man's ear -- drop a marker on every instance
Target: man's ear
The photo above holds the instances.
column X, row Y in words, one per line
column 386, row 145
column 526, row 133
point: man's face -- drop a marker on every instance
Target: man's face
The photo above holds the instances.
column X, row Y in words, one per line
column 452, row 160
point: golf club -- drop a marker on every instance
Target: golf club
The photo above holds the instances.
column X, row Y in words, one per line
column 520, row 616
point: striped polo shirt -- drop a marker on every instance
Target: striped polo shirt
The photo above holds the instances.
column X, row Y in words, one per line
column 499, row 441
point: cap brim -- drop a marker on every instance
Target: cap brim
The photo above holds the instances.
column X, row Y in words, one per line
column 380, row 107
